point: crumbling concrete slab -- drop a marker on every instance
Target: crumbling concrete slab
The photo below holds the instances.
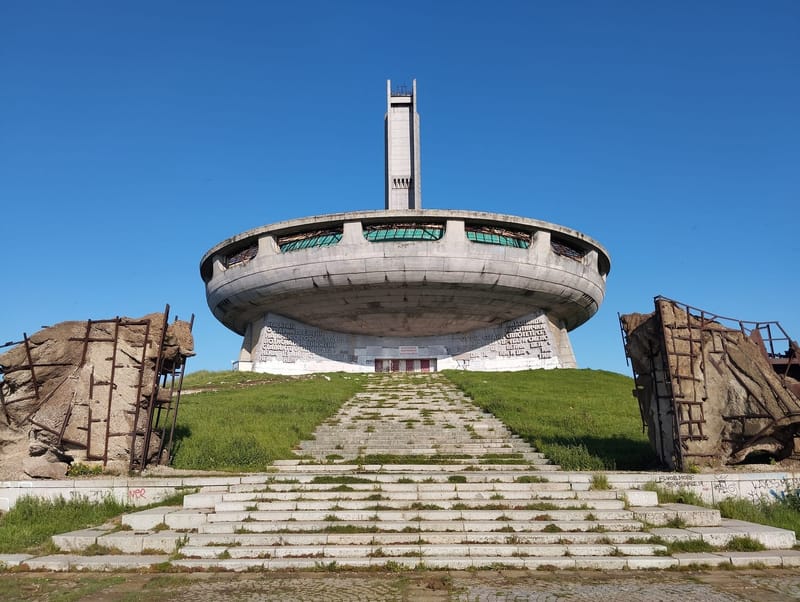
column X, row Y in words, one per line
column 712, row 390
column 86, row 392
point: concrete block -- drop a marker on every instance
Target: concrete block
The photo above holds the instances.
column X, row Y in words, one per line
column 601, row 563
column 743, row 559
column 185, row 519
column 78, row 540
column 116, row 562
column 54, row 563
column 651, row 562
column 547, row 562
column 202, row 500
column 639, row 497
column 640, row 549
column 701, row 559
column 671, row 535
column 590, row 549
column 12, row 560
column 458, row 563
column 203, row 551
column 144, row 520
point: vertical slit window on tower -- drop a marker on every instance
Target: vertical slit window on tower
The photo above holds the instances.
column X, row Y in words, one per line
column 498, row 236
column 308, row 240
column 403, row 232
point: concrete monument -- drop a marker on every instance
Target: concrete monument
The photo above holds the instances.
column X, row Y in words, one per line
column 405, row 289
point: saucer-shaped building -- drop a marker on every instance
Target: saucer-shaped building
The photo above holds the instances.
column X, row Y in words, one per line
column 405, row 289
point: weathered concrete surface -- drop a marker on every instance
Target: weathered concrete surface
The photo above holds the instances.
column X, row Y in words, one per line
column 58, row 402
column 415, row 288
column 419, row 288
column 707, row 393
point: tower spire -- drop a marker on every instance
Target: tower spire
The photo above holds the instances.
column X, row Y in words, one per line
column 403, row 185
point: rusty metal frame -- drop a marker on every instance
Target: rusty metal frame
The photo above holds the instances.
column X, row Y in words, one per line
column 685, row 391
column 148, row 405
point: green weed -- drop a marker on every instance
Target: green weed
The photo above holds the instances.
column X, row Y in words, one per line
column 27, row 527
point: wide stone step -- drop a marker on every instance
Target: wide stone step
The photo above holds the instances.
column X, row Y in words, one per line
column 367, row 526
column 420, row 550
column 464, row 492
column 442, row 562
column 415, row 504
column 432, row 537
column 678, row 515
column 414, row 515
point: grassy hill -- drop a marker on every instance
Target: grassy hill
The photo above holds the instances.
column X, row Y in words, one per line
column 581, row 419
column 241, row 421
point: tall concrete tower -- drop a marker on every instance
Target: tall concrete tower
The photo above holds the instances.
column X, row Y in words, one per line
column 403, row 186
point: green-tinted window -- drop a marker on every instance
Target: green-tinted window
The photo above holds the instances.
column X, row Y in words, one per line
column 403, row 232
column 518, row 240
column 315, row 239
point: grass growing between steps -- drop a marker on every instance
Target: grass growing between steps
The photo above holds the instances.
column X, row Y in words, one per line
column 241, row 421
column 580, row 419
column 28, row 526
column 782, row 511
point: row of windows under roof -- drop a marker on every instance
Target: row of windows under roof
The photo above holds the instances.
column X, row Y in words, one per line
column 406, row 232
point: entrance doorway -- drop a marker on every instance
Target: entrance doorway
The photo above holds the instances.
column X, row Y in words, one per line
column 398, row 365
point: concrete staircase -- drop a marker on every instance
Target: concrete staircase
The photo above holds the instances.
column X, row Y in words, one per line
column 409, row 473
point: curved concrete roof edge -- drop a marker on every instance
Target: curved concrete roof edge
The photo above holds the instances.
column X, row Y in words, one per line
column 329, row 218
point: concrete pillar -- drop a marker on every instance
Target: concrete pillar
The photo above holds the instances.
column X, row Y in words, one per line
column 246, row 352
column 540, row 245
column 267, row 245
column 566, row 356
column 352, row 234
column 590, row 261
column 454, row 233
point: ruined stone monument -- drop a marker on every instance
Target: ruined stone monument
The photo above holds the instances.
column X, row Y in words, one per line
column 104, row 391
column 713, row 390
column 405, row 289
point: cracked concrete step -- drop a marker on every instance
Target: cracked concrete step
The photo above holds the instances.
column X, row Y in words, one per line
column 421, row 550
column 355, row 491
column 787, row 559
column 728, row 529
column 431, row 537
column 414, row 504
column 367, row 526
column 685, row 514
column 112, row 562
column 416, row 515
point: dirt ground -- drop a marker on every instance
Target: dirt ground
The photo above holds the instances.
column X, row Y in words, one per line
column 765, row 585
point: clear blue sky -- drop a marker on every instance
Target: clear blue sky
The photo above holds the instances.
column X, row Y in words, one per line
column 136, row 135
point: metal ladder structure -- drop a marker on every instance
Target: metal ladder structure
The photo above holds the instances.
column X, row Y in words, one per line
column 155, row 397
column 678, row 371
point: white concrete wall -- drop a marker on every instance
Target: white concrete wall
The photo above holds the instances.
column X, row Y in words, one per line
column 286, row 346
